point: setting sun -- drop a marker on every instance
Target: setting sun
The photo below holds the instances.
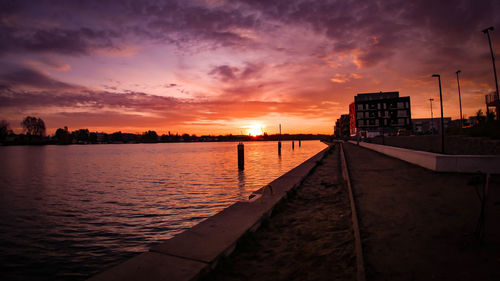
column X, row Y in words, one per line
column 255, row 130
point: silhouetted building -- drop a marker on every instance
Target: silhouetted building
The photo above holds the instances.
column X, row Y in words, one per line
column 352, row 120
column 342, row 126
column 492, row 101
column 374, row 114
column 428, row 125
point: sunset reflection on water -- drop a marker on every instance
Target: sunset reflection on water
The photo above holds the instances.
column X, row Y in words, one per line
column 71, row 211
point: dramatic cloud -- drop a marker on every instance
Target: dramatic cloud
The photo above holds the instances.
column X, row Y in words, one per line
column 32, row 78
column 227, row 73
column 228, row 62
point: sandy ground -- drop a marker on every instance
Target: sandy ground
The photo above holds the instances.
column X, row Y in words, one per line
column 417, row 224
column 308, row 237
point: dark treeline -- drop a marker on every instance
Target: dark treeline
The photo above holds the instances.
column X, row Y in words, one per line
column 34, row 134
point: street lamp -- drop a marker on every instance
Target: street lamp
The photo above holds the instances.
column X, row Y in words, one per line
column 460, row 102
column 441, row 101
column 487, row 32
column 432, row 116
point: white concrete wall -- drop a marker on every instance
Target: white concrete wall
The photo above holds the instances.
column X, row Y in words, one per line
column 440, row 162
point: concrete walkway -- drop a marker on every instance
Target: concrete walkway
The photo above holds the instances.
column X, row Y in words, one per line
column 308, row 237
column 418, row 225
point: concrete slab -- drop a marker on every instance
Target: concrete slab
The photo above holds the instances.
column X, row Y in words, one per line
column 468, row 163
column 215, row 236
column 440, row 162
column 293, row 177
column 153, row 266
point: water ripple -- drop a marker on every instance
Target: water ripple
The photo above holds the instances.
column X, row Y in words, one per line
column 71, row 211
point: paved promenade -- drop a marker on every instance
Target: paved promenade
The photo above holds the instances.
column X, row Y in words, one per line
column 419, row 225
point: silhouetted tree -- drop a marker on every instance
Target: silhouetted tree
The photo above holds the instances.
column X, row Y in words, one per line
column 4, row 129
column 480, row 116
column 93, row 137
column 63, row 136
column 81, row 135
column 490, row 116
column 150, row 136
column 33, row 126
column 117, row 137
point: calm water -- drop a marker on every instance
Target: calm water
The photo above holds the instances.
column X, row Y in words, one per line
column 68, row 212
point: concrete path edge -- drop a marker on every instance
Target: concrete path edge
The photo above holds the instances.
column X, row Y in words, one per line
column 360, row 265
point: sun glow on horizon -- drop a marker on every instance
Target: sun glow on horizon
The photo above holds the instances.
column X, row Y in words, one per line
column 255, row 129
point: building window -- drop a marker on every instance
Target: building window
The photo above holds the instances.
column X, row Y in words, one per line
column 360, row 107
column 359, row 115
column 367, row 115
column 385, row 122
column 378, row 106
column 402, row 113
column 361, row 123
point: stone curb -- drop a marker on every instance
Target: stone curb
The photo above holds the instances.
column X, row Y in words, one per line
column 196, row 251
column 360, row 265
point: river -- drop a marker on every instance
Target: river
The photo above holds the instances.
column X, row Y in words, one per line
column 71, row 211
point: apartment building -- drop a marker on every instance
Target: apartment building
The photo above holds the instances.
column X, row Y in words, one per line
column 372, row 114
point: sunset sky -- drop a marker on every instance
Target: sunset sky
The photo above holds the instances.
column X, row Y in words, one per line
column 220, row 67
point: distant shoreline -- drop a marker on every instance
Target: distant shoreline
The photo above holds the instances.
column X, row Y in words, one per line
column 22, row 140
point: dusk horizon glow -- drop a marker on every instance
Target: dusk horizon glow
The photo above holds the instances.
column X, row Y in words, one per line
column 236, row 67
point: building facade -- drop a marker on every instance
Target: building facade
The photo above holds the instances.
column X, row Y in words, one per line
column 429, row 126
column 374, row 114
column 342, row 126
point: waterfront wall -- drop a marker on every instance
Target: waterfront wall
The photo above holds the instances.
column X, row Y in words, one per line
column 457, row 145
column 440, row 162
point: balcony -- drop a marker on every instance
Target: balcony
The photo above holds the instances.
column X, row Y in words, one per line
column 491, row 99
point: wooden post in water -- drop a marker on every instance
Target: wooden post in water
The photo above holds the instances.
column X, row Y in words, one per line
column 299, row 143
column 293, row 144
column 241, row 156
column 279, row 142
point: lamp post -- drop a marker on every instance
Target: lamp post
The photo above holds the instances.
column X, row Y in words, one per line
column 441, row 102
column 432, row 116
column 487, row 32
column 460, row 102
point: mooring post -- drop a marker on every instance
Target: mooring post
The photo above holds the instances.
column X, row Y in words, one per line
column 279, row 142
column 293, row 144
column 299, row 143
column 241, row 156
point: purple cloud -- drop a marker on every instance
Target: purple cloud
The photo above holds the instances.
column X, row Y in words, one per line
column 33, row 78
column 227, row 73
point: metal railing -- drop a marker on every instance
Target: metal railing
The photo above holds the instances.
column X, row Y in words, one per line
column 491, row 99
